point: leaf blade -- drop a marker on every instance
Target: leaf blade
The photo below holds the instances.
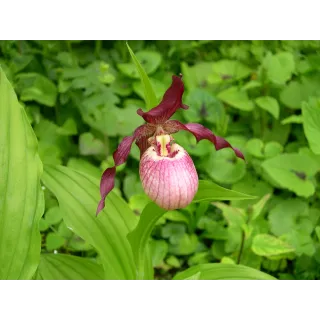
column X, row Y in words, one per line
column 209, row 191
column 22, row 201
column 67, row 267
column 149, row 95
column 269, row 104
column 220, row 271
column 311, row 124
column 267, row 245
column 78, row 195
column 139, row 237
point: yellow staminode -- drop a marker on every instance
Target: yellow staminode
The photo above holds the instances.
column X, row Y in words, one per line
column 163, row 140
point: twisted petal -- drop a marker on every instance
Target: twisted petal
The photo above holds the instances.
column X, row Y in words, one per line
column 143, row 144
column 119, row 156
column 201, row 132
column 171, row 102
column 106, row 185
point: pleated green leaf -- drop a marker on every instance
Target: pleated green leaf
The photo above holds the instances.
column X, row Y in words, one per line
column 67, row 267
column 220, row 271
column 149, row 95
column 21, row 196
column 139, row 239
column 209, row 191
column 78, row 196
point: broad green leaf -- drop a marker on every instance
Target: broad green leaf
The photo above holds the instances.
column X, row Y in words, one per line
column 301, row 241
column 257, row 148
column 132, row 185
column 43, row 225
column 199, row 258
column 220, row 271
column 251, row 85
column 296, row 92
column 21, row 201
column 159, row 250
column 54, row 241
column 228, row 69
column 89, row 145
column 250, row 185
column 218, row 248
column 236, row 98
column 64, row 230
column 267, row 245
column 293, row 171
column 279, row 67
column 203, row 106
column 197, row 75
column 231, row 168
column 173, row 231
column 227, row 260
column 177, row 216
column 311, row 124
column 19, row 62
column 53, row 215
column 249, row 258
column 121, row 87
column 67, row 267
column 138, row 201
column 78, row 196
column 292, row 119
column 36, row 87
column 149, row 61
column 128, row 120
column 190, row 144
column 99, row 112
column 209, row 191
column 195, row 276
column 84, row 166
column 272, row 148
column 276, row 132
column 69, row 128
column 213, row 229
column 269, row 104
column 285, row 216
column 173, row 261
column 234, row 216
column 184, row 245
column 139, row 239
column 149, row 95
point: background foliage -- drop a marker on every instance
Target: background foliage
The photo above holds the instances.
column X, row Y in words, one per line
column 81, row 98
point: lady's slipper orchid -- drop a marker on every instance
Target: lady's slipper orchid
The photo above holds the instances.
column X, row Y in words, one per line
column 167, row 172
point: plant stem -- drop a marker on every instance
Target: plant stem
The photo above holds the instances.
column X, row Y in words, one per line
column 241, row 247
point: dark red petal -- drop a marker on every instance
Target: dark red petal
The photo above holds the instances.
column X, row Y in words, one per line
column 119, row 156
column 171, row 102
column 107, row 180
column 106, row 185
column 201, row 132
column 143, row 145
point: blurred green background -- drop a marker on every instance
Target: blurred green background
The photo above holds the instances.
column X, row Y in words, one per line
column 81, row 98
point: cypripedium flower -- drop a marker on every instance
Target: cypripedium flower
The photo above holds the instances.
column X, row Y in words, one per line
column 167, row 172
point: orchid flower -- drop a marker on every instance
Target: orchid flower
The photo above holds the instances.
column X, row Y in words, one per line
column 167, row 172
